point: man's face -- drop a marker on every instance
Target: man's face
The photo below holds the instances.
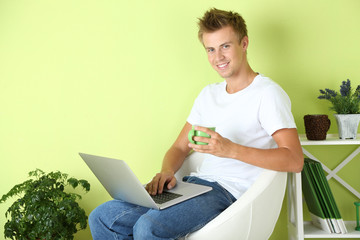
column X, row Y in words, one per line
column 225, row 54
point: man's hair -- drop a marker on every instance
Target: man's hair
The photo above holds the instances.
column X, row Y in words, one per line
column 215, row 19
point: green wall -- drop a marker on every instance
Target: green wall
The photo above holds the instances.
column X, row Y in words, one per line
column 118, row 78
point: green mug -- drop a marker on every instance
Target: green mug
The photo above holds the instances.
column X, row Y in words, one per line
column 197, row 133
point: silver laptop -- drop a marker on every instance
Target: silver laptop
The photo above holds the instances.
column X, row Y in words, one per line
column 121, row 183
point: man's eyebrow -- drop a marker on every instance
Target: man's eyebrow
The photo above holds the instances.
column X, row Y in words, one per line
column 225, row 43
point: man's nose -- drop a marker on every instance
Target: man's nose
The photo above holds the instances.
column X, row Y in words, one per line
column 219, row 55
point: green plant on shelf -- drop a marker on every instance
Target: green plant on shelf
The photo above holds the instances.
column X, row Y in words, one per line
column 347, row 102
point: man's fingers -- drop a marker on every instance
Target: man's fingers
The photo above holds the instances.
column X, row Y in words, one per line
column 204, row 129
column 157, row 184
column 202, row 139
column 151, row 187
column 172, row 183
column 161, row 185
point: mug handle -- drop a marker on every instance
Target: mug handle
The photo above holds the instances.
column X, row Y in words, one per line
column 190, row 136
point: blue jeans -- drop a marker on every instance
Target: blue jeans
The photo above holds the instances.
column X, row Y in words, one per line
column 121, row 220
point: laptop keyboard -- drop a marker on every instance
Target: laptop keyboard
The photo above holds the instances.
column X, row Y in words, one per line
column 165, row 197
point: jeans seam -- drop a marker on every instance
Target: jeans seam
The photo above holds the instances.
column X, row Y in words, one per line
column 114, row 233
column 228, row 195
column 159, row 224
column 197, row 227
column 122, row 214
column 115, row 236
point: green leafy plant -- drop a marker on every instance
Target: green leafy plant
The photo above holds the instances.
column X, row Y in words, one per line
column 347, row 102
column 43, row 209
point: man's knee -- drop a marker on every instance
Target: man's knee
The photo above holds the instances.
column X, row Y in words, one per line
column 94, row 217
column 147, row 227
column 100, row 214
column 142, row 229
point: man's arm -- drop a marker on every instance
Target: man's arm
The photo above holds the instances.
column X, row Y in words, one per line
column 288, row 157
column 172, row 162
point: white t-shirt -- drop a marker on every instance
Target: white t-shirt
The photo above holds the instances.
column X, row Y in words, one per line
column 248, row 117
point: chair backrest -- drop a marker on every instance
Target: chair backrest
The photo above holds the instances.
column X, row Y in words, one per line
column 253, row 216
column 191, row 163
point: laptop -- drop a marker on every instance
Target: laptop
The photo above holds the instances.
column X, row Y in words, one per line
column 122, row 184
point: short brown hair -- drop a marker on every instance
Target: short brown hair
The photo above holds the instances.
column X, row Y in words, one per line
column 215, row 19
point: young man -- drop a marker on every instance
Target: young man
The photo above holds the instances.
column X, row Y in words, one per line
column 254, row 129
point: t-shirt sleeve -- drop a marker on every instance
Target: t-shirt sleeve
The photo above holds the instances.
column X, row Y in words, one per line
column 275, row 110
column 194, row 117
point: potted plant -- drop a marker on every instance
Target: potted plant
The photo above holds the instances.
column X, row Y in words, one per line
column 43, row 210
column 347, row 106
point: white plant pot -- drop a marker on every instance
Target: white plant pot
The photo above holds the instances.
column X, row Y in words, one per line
column 347, row 125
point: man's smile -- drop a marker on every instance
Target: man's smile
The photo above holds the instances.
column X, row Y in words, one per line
column 222, row 66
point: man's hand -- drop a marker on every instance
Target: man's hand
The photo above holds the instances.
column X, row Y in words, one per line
column 217, row 145
column 157, row 184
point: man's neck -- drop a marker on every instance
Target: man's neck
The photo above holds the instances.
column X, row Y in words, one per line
column 240, row 82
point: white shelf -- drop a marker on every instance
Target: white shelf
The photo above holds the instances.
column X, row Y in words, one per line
column 310, row 231
column 331, row 139
column 297, row 228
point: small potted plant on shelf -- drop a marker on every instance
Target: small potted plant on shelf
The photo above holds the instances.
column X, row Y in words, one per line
column 347, row 106
column 43, row 209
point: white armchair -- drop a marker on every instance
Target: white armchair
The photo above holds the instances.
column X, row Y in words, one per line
column 252, row 217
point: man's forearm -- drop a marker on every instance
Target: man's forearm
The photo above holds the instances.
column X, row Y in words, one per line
column 173, row 160
column 279, row 159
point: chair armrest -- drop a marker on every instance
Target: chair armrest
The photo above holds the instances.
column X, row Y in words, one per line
column 243, row 217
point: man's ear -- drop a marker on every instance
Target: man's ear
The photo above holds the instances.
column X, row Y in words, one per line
column 244, row 43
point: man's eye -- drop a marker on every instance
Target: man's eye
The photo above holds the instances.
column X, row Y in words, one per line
column 210, row 50
column 226, row 46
